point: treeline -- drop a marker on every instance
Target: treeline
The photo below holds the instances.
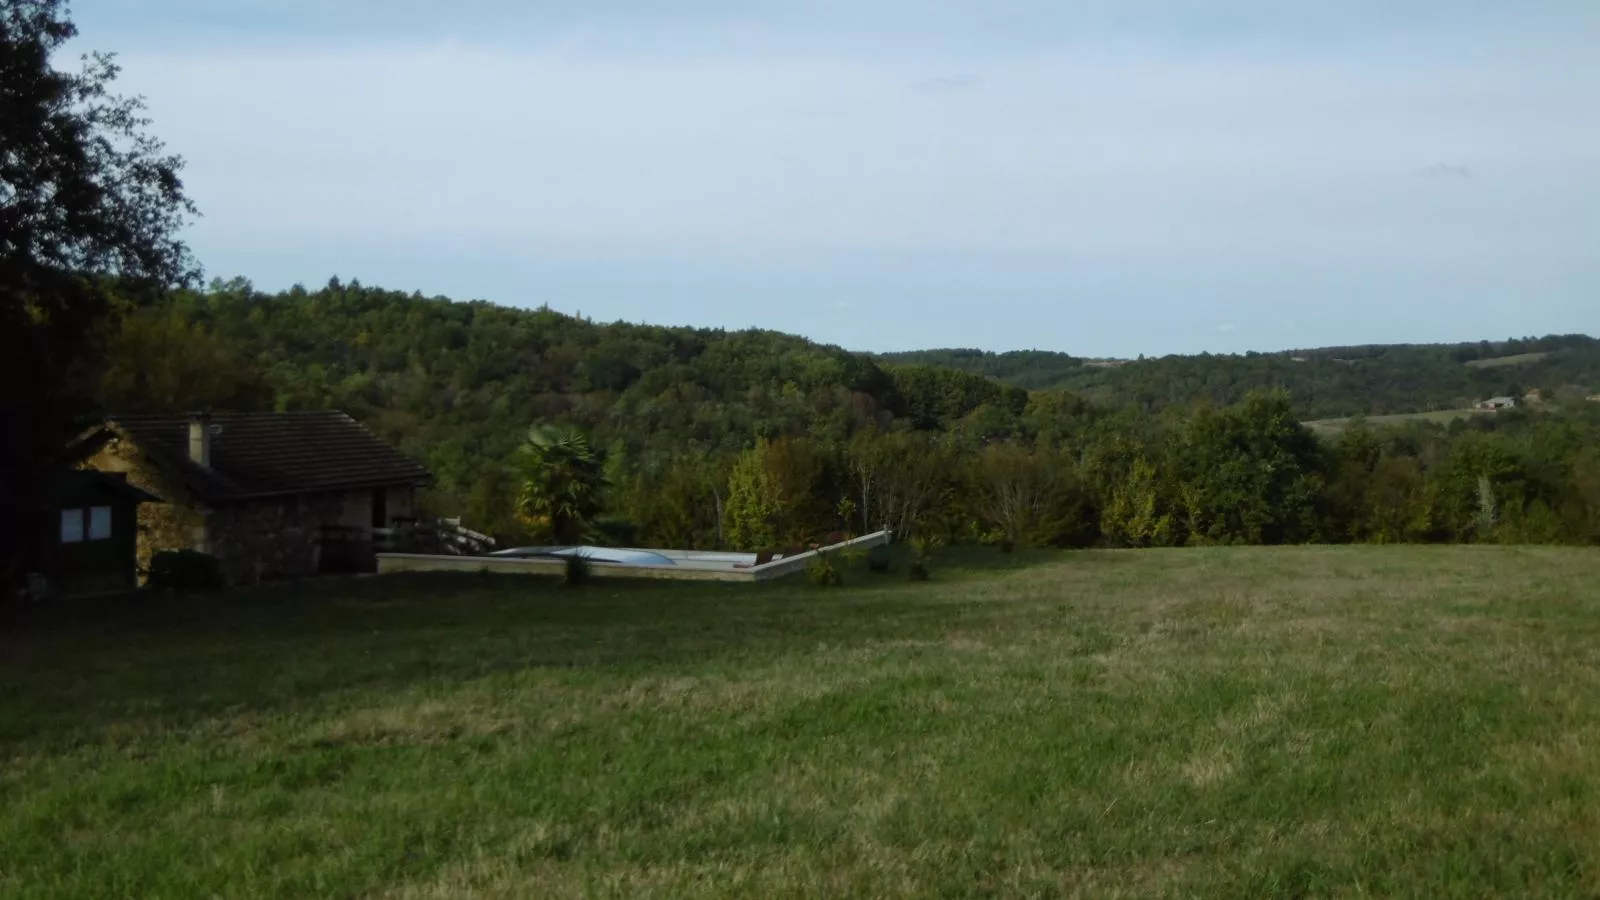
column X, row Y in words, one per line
column 1085, row 476
column 751, row 439
column 1326, row 383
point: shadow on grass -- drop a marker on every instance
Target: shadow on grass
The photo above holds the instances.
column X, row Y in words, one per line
column 164, row 660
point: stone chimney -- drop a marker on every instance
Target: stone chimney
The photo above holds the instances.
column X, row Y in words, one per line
column 200, row 439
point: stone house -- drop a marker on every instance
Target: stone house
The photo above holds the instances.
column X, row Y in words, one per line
column 260, row 491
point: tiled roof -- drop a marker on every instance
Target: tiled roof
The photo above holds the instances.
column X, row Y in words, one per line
column 267, row 454
column 72, row 485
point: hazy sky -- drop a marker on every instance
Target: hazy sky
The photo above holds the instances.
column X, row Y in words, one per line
column 1109, row 177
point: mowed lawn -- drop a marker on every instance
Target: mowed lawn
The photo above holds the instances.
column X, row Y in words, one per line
column 1289, row 722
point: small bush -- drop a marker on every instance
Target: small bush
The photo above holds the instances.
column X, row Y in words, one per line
column 186, row 570
column 923, row 549
column 880, row 558
column 577, row 571
column 824, row 571
column 851, row 557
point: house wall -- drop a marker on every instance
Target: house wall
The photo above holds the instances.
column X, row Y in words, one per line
column 357, row 510
column 402, row 502
column 177, row 524
column 272, row 538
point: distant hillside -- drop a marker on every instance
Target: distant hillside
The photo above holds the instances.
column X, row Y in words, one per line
column 1325, row 383
column 457, row 384
column 1027, row 369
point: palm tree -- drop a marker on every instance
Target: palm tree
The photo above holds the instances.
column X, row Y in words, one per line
column 561, row 480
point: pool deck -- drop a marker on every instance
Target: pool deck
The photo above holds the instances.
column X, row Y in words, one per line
column 691, row 565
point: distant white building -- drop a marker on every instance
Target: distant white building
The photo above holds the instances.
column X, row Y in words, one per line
column 1498, row 403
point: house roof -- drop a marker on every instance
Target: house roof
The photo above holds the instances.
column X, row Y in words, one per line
column 273, row 454
column 75, row 485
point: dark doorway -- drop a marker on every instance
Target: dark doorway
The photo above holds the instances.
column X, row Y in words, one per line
column 380, row 508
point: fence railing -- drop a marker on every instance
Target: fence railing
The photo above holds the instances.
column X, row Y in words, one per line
column 348, row 548
column 432, row 536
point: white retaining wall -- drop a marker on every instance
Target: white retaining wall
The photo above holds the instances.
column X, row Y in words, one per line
column 692, row 565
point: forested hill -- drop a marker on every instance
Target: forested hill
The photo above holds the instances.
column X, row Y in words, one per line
column 458, row 384
column 1323, row 383
column 679, row 416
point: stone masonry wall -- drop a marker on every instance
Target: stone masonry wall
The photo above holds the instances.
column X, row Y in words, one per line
column 174, row 524
column 268, row 539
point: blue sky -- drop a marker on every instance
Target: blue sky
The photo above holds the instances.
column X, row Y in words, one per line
column 1100, row 177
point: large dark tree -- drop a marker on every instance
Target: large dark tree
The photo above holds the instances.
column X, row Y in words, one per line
column 90, row 210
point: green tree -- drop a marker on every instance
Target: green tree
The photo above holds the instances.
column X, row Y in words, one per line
column 752, row 508
column 865, row 465
column 1140, row 511
column 797, row 473
column 1581, row 503
column 1024, row 494
column 916, row 476
column 675, row 499
column 561, row 483
column 88, row 202
column 1397, row 506
column 160, row 362
column 491, row 503
column 1482, row 481
column 1250, row 474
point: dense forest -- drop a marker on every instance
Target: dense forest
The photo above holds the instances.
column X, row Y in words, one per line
column 752, row 438
column 1326, row 383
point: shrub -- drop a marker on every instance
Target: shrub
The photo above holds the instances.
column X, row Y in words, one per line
column 926, row 547
column 577, row 571
column 186, row 570
column 824, row 572
column 852, row 557
column 880, row 558
column 923, row 549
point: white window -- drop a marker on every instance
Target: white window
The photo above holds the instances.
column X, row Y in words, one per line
column 99, row 523
column 71, row 526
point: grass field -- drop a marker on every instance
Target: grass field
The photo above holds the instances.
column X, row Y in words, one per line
column 1501, row 362
column 1437, row 417
column 1290, row 722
